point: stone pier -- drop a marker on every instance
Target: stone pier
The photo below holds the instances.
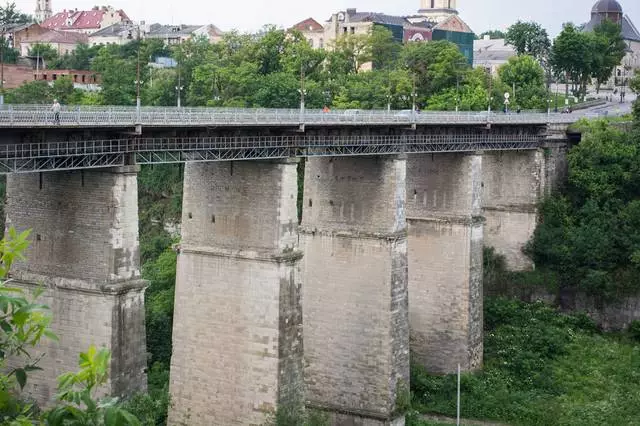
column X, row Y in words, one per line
column 237, row 334
column 444, row 193
column 355, row 298
column 514, row 183
column 85, row 254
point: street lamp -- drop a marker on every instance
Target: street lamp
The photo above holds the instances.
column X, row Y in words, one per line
column 302, row 92
column 137, row 81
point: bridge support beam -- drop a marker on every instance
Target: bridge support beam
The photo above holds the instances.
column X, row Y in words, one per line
column 85, row 253
column 445, row 260
column 355, row 297
column 514, row 182
column 237, row 335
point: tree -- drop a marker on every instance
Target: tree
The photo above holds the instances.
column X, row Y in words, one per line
column 572, row 54
column 527, row 76
column 609, row 49
column 9, row 14
column 349, row 53
column 634, row 83
column 44, row 51
column 493, row 35
column 528, row 38
column 385, row 49
column 33, row 92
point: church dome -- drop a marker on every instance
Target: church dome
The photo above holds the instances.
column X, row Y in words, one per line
column 606, row 6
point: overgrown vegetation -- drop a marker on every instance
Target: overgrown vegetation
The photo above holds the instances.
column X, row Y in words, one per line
column 541, row 368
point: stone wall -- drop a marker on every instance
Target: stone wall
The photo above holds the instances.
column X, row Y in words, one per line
column 237, row 337
column 514, row 182
column 355, row 298
column 445, row 260
column 85, row 254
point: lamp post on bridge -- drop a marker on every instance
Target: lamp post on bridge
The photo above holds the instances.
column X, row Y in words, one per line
column 137, row 81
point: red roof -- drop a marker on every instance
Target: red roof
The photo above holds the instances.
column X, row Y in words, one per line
column 80, row 19
column 308, row 24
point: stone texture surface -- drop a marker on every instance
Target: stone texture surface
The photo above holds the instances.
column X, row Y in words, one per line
column 514, row 183
column 237, row 338
column 355, row 298
column 85, row 253
column 445, row 260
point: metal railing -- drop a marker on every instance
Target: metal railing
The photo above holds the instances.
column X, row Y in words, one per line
column 120, row 116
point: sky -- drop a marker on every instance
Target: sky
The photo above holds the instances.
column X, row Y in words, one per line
column 250, row 15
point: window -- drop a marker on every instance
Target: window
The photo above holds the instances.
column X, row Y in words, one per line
column 321, row 43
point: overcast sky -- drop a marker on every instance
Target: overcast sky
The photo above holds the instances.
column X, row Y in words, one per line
column 249, row 15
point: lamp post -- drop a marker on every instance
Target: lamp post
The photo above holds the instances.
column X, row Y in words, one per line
column 137, row 81
column 302, row 92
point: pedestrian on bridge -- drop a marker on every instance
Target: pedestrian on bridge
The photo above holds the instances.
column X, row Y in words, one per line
column 56, row 111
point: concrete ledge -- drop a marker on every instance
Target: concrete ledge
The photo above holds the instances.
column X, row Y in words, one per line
column 447, row 219
column 291, row 256
column 391, row 236
column 366, row 414
column 513, row 208
column 112, row 288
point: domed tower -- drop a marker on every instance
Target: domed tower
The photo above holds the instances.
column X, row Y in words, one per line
column 606, row 9
column 438, row 10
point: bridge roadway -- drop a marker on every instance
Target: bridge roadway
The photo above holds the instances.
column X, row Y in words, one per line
column 95, row 137
column 118, row 116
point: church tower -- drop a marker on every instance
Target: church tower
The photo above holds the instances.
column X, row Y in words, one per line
column 43, row 10
column 437, row 10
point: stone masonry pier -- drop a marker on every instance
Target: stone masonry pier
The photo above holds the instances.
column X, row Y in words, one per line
column 85, row 253
column 514, row 183
column 355, row 297
column 445, row 260
column 237, row 336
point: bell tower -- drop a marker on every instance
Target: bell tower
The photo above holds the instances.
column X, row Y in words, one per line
column 438, row 10
column 43, row 10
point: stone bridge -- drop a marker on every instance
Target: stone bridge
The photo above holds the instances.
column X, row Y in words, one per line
column 270, row 313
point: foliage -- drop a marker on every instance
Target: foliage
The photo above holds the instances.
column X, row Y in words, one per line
column 9, row 14
column 634, row 83
column 590, row 235
column 528, row 38
column 44, row 51
column 527, row 76
column 77, row 395
column 493, row 35
column 79, row 59
column 609, row 49
column 23, row 323
column 541, row 367
column 9, row 54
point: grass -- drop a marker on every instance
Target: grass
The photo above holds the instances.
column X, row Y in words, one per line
column 541, row 368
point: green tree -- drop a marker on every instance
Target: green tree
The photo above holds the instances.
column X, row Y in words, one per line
column 77, row 395
column 64, row 91
column 527, row 76
column 609, row 48
column 572, row 54
column 385, row 49
column 349, row 52
column 493, row 35
column 33, row 92
column 44, row 51
column 23, row 323
column 9, row 14
column 634, row 83
column 9, row 54
column 528, row 38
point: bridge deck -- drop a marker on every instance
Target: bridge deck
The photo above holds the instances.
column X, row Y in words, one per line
column 36, row 116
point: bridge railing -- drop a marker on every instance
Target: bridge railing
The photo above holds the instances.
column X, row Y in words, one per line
column 42, row 115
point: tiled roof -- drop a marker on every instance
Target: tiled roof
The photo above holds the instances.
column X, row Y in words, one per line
column 159, row 30
column 80, row 19
column 378, row 18
column 53, row 36
column 113, row 30
column 308, row 24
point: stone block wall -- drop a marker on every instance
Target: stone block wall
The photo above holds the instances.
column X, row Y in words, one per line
column 514, row 183
column 85, row 253
column 355, row 298
column 237, row 338
column 445, row 260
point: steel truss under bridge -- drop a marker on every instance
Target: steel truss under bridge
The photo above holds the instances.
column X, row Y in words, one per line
column 73, row 155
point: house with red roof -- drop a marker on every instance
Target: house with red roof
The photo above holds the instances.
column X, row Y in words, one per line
column 86, row 21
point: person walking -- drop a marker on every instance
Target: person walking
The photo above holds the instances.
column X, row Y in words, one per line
column 56, row 111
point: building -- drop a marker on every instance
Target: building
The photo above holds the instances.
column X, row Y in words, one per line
column 612, row 10
column 85, row 21
column 17, row 75
column 437, row 10
column 62, row 41
column 176, row 34
column 120, row 33
column 490, row 54
column 436, row 20
column 43, row 10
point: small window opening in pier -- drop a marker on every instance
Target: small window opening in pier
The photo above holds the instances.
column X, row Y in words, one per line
column 190, row 215
column 40, row 180
column 213, row 218
column 310, row 202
